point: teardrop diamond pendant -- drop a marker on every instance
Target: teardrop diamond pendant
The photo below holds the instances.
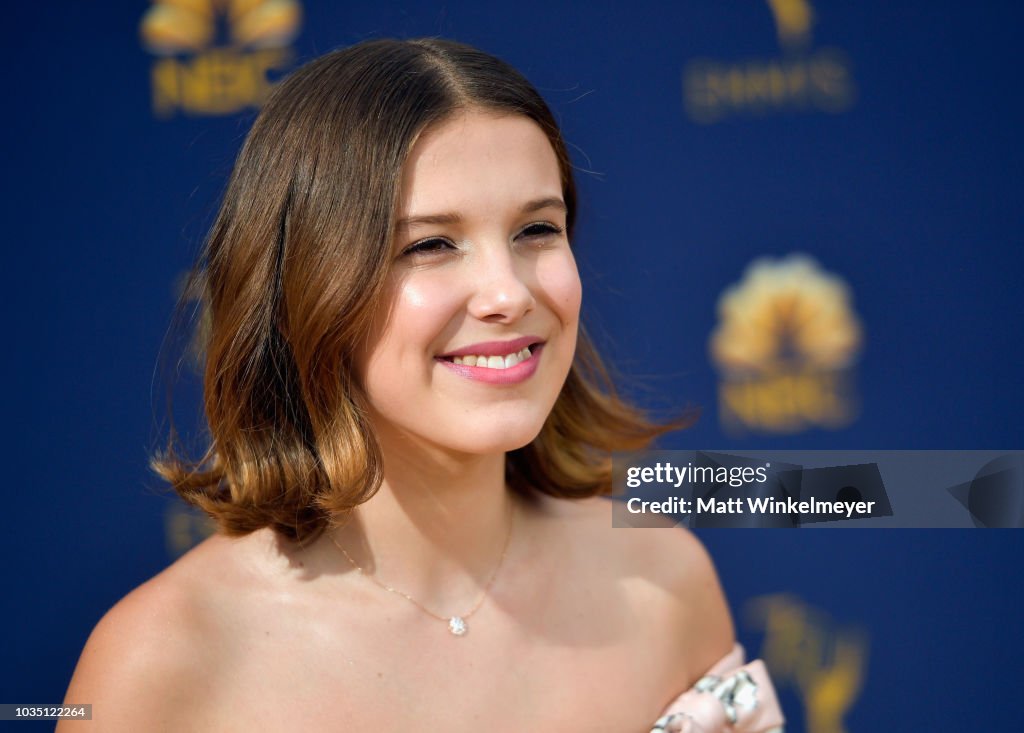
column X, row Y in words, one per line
column 457, row 625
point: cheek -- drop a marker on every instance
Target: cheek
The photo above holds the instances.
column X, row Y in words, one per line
column 560, row 281
column 425, row 307
column 419, row 311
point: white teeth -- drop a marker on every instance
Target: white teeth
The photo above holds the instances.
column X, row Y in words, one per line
column 494, row 362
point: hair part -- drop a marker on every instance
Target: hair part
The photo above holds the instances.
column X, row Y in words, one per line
column 292, row 271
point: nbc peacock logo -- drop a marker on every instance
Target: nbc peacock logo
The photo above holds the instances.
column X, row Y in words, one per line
column 215, row 57
column 785, row 346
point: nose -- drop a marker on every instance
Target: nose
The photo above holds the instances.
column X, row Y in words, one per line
column 502, row 290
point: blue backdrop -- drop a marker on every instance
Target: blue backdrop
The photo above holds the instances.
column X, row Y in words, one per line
column 879, row 139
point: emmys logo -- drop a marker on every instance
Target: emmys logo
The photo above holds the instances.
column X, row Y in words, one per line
column 803, row 78
column 804, row 650
column 200, row 73
column 785, row 344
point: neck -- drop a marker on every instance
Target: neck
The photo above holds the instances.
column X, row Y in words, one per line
column 436, row 529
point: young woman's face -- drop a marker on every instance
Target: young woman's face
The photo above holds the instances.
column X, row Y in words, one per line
column 477, row 331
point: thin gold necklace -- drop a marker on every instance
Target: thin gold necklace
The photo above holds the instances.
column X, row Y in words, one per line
column 456, row 624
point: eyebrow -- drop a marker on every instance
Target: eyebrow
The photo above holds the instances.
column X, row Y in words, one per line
column 453, row 218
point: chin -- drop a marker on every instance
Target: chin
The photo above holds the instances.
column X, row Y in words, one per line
column 499, row 438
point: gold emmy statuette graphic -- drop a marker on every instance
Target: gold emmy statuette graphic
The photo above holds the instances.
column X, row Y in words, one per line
column 793, row 19
column 184, row 528
column 804, row 650
column 784, row 344
column 196, row 75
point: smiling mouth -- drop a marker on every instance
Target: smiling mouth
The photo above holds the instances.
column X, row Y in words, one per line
column 494, row 362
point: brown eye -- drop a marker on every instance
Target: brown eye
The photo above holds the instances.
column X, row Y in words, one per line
column 428, row 246
column 540, row 229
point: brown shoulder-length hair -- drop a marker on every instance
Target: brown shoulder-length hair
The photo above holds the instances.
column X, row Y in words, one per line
column 294, row 268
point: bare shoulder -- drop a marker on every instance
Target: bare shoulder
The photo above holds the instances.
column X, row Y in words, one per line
column 146, row 661
column 670, row 555
column 672, row 572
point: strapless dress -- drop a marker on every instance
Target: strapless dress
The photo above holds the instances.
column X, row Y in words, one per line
column 732, row 697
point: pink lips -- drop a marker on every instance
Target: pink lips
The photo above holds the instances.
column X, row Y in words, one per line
column 494, row 348
column 513, row 375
